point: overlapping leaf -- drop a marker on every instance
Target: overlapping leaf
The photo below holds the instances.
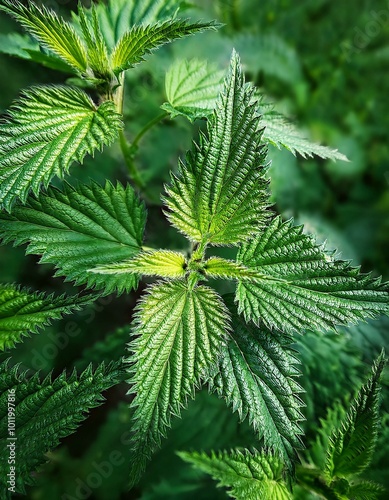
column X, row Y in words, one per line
column 50, row 30
column 46, row 411
column 180, row 331
column 249, row 475
column 97, row 49
column 255, row 376
column 22, row 46
column 118, row 16
column 281, row 133
column 23, row 312
column 303, row 286
column 164, row 263
column 77, row 229
column 220, row 194
column 351, row 446
column 141, row 40
column 345, row 445
column 45, row 131
column 192, row 88
column 365, row 490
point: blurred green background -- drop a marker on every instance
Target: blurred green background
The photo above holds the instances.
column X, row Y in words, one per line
column 323, row 63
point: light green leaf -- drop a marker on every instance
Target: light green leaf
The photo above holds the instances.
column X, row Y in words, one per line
column 192, row 88
column 303, row 286
column 249, row 475
column 117, row 16
column 281, row 133
column 179, row 334
column 351, row 446
column 80, row 228
column 46, row 411
column 23, row 312
column 220, row 194
column 255, row 376
column 50, row 30
column 163, row 263
column 216, row 267
column 44, row 132
column 141, row 40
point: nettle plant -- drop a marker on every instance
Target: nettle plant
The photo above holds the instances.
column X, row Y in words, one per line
column 184, row 335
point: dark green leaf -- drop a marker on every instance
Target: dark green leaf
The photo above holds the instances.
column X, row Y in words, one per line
column 23, row 312
column 46, row 411
column 80, row 228
column 256, row 377
column 351, row 446
column 303, row 286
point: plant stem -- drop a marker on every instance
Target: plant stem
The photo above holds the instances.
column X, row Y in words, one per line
column 128, row 156
column 147, row 127
column 127, row 149
column 118, row 96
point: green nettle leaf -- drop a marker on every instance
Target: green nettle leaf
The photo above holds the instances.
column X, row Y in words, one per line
column 179, row 334
column 118, row 15
column 44, row 132
column 50, row 30
column 281, row 133
column 192, row 88
column 23, row 312
column 351, row 446
column 80, row 228
column 46, row 411
column 249, row 475
column 216, row 267
column 141, row 40
column 365, row 490
column 302, row 286
column 163, row 263
column 220, row 194
column 255, row 375
column 98, row 59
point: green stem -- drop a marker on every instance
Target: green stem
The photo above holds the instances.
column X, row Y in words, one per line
column 129, row 160
column 127, row 150
column 118, row 96
column 147, row 127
